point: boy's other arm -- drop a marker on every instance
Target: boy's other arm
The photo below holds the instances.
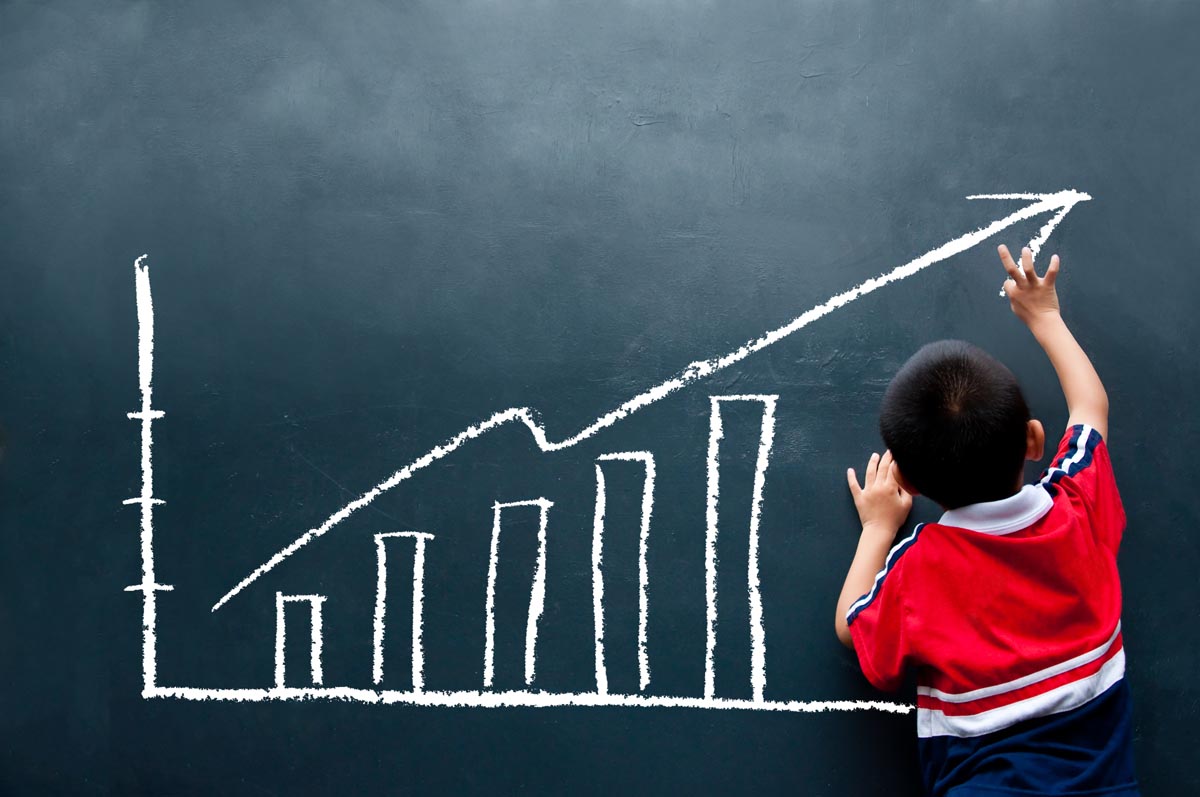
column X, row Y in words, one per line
column 882, row 507
column 1035, row 301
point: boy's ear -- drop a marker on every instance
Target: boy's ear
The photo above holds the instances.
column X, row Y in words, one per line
column 908, row 488
column 1035, row 440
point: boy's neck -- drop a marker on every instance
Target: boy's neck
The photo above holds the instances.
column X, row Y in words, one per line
column 1019, row 486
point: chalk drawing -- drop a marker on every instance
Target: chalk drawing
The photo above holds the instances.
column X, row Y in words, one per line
column 315, row 632
column 647, row 460
column 520, row 699
column 537, row 592
column 418, row 601
column 1035, row 245
column 758, row 642
column 146, row 500
column 1058, row 204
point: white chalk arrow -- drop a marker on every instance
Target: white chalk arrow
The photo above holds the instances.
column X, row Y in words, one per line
column 1059, row 204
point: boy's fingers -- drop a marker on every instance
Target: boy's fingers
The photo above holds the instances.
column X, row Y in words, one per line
column 872, row 469
column 1006, row 260
column 885, row 465
column 855, row 490
column 1052, row 271
column 1027, row 264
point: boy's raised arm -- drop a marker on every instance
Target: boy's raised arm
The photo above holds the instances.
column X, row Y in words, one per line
column 1035, row 301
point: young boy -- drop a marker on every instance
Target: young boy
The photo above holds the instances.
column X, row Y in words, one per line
column 1007, row 609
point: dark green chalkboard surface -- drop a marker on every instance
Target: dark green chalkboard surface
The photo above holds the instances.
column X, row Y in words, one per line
column 476, row 420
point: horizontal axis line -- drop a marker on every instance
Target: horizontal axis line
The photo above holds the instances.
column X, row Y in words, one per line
column 518, row 699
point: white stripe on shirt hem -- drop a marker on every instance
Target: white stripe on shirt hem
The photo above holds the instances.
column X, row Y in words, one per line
column 933, row 722
column 1025, row 680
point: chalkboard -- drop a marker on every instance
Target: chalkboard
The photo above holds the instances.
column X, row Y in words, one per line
column 456, row 397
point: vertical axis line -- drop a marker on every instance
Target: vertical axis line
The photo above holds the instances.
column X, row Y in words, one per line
column 146, row 500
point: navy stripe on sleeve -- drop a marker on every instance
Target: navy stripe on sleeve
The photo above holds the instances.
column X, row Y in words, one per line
column 1078, row 455
column 893, row 556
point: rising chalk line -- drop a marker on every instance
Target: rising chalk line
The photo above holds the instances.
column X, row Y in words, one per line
column 1060, row 203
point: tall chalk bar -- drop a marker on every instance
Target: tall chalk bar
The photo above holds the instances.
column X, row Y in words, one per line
column 599, row 529
column 537, row 590
column 417, row 655
column 758, row 643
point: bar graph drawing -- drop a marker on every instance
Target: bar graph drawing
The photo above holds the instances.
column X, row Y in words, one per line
column 388, row 652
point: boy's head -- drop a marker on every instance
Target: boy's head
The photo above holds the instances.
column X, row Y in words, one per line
column 957, row 425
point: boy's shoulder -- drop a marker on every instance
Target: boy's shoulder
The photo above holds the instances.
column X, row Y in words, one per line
column 1076, row 494
column 1083, row 485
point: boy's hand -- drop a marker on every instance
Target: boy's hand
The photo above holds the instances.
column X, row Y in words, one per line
column 1032, row 297
column 882, row 507
column 882, row 503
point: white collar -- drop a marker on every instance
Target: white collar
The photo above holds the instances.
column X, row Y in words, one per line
column 1029, row 505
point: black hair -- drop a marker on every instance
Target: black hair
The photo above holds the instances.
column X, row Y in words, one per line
column 955, row 421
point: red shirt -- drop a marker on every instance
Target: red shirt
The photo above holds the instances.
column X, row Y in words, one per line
column 1008, row 610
